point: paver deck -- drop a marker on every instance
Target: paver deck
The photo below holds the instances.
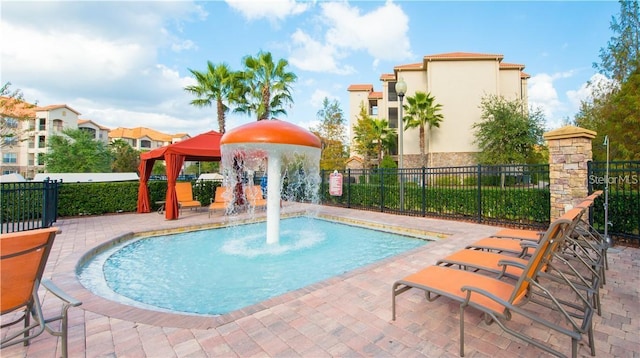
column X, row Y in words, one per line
column 348, row 315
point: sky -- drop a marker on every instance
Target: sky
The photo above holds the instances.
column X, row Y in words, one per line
column 126, row 64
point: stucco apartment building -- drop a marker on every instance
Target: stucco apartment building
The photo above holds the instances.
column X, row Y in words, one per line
column 143, row 139
column 24, row 156
column 458, row 81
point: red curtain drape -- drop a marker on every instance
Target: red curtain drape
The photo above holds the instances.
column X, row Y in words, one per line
column 145, row 167
column 174, row 164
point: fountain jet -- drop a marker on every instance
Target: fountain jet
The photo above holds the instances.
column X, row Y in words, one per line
column 276, row 141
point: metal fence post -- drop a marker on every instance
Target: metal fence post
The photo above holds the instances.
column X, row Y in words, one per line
column 45, row 198
column 424, row 191
column 349, row 188
column 381, row 171
column 479, row 193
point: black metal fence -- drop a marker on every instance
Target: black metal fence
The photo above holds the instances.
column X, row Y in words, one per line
column 623, row 196
column 501, row 194
column 28, row 205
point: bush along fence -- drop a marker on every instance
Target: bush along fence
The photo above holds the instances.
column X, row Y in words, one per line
column 623, row 185
column 28, row 205
column 498, row 194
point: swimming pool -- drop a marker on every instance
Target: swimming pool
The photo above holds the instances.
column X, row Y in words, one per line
column 216, row 271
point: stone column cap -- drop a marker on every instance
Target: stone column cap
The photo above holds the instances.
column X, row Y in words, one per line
column 569, row 132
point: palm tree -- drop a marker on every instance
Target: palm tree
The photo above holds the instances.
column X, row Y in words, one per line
column 421, row 112
column 217, row 85
column 384, row 136
column 267, row 86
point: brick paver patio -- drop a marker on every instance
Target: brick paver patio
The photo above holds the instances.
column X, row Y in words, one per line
column 348, row 315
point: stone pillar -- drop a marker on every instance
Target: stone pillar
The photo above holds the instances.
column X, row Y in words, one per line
column 569, row 152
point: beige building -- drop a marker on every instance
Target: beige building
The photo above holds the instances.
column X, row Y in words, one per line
column 144, row 139
column 97, row 131
column 458, row 81
column 36, row 125
column 45, row 122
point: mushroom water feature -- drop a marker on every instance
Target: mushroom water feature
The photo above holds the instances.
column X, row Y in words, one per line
column 281, row 144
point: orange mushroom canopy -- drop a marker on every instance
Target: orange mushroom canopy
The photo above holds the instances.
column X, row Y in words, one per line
column 271, row 131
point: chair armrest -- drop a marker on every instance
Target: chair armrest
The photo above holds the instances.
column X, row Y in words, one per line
column 506, row 262
column 51, row 287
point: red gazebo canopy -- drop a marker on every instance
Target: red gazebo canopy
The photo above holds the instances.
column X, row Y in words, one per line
column 204, row 147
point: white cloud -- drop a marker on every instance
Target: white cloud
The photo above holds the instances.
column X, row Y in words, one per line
column 310, row 55
column 319, row 95
column 586, row 90
column 72, row 58
column 99, row 58
column 182, row 45
column 273, row 10
column 350, row 31
column 543, row 95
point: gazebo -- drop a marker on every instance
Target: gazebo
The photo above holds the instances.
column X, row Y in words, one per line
column 203, row 147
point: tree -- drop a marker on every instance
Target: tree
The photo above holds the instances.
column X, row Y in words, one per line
column 77, row 152
column 612, row 109
column 13, row 111
column 421, row 112
column 621, row 57
column 372, row 137
column 507, row 134
column 384, row 137
column 364, row 137
column 216, row 85
column 331, row 132
column 159, row 168
column 614, row 114
column 267, row 87
column 125, row 159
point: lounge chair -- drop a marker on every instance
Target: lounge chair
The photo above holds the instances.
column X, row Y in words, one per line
column 184, row 192
column 587, row 247
column 534, row 235
column 499, row 300
column 584, row 275
column 514, row 241
column 220, row 201
column 23, row 257
column 254, row 196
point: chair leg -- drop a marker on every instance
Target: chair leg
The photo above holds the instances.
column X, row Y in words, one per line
column 462, row 330
column 591, row 342
column 27, row 322
column 64, row 330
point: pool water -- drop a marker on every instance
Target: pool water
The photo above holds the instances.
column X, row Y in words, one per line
column 216, row 271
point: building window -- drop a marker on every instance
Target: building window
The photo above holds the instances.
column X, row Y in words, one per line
column 10, row 141
column 57, row 125
column 145, row 143
column 9, row 158
column 391, row 92
column 43, row 124
column 373, row 108
column 393, row 117
column 10, row 122
column 90, row 131
column 5, row 172
column 42, row 142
